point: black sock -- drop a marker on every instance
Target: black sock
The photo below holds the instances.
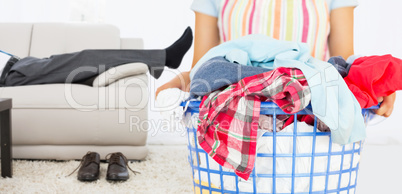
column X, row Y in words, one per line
column 176, row 51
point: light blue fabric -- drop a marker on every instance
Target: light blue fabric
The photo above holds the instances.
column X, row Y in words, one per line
column 332, row 101
column 212, row 7
column 4, row 52
column 334, row 4
column 238, row 56
column 208, row 7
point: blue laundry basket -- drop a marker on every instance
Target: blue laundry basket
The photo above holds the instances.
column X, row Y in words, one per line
column 300, row 159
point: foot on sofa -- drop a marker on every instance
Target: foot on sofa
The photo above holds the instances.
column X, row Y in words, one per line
column 176, row 52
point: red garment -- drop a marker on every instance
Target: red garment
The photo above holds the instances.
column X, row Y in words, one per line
column 374, row 76
column 368, row 78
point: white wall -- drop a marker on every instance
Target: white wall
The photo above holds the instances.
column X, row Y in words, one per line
column 378, row 30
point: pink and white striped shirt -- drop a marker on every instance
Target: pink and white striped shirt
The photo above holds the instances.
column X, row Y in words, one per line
column 292, row 20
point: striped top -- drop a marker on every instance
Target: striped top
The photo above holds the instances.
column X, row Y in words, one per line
column 292, row 20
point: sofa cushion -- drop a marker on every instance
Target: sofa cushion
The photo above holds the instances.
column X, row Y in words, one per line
column 16, row 38
column 112, row 75
column 56, row 38
column 130, row 92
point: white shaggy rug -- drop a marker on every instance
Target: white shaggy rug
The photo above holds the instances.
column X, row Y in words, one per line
column 165, row 170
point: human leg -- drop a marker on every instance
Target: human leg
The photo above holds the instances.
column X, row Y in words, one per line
column 89, row 63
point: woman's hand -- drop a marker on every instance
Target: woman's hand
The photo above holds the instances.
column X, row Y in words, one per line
column 387, row 105
column 181, row 81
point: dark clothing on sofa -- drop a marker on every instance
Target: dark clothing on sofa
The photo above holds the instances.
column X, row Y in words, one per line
column 79, row 66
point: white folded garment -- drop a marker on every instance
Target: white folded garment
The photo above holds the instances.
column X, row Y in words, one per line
column 4, row 58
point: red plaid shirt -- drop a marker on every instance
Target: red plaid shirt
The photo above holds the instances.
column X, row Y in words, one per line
column 228, row 119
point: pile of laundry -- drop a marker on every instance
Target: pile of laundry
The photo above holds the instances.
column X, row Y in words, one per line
column 236, row 76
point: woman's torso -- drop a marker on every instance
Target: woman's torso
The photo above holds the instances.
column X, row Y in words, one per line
column 292, row 20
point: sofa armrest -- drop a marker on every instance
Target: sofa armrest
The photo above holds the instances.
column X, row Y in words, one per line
column 131, row 43
column 120, row 72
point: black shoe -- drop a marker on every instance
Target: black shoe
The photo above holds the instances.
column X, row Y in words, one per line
column 117, row 169
column 90, row 164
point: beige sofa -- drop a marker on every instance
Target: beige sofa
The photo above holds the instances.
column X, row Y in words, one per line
column 64, row 121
